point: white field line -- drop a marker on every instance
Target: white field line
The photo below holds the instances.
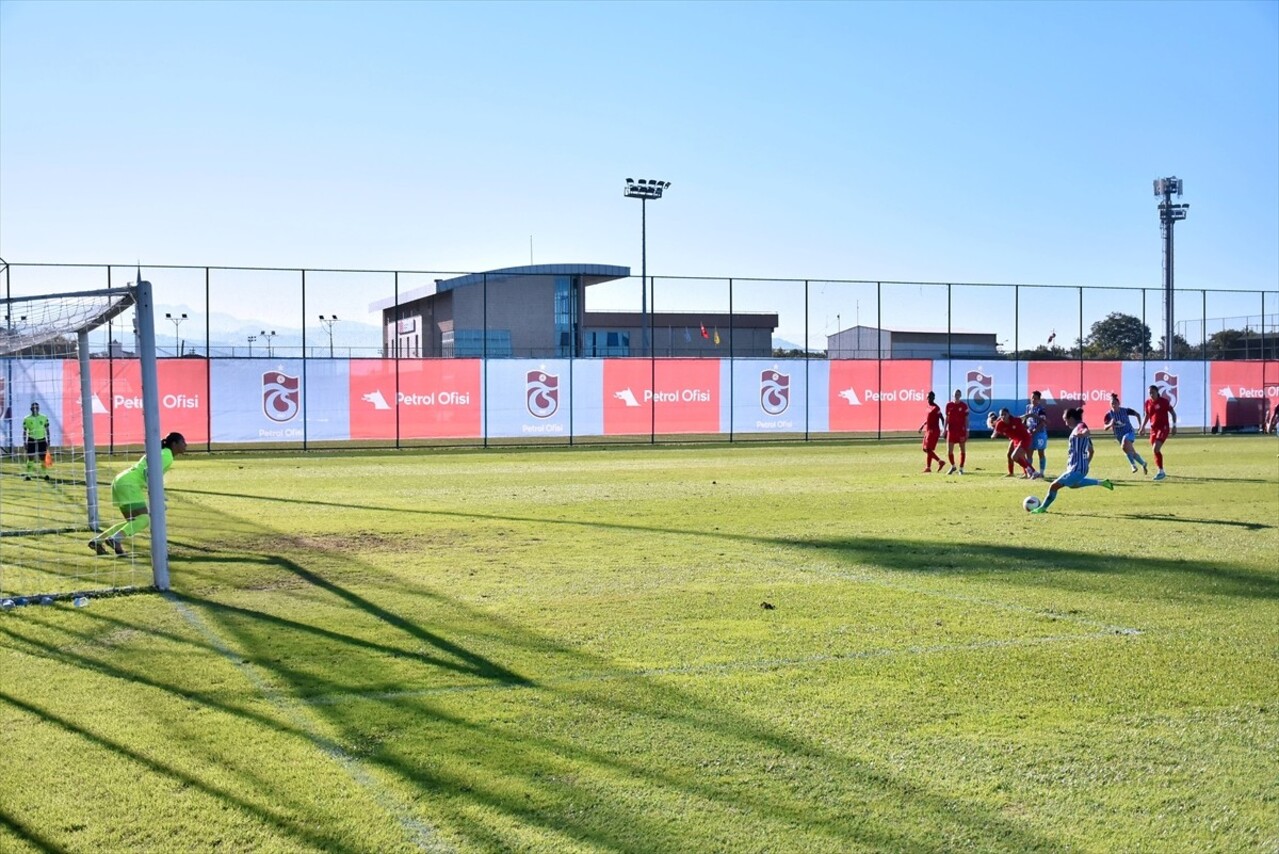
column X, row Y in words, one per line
column 423, row 836
column 711, row 669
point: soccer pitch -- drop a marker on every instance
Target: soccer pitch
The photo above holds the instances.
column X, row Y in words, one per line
column 750, row 647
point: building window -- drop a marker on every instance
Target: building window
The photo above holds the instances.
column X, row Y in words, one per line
column 470, row 343
column 565, row 311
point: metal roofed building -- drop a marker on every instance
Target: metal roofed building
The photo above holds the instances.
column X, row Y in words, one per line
column 869, row 342
column 539, row 311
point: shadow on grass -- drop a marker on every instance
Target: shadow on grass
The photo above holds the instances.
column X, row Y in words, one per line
column 27, row 834
column 1028, row 564
column 562, row 774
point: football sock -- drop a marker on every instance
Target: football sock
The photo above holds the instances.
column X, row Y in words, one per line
column 137, row 525
column 110, row 532
column 1049, row 498
column 1136, row 457
column 950, row 455
column 1010, row 466
column 962, row 455
column 1159, row 459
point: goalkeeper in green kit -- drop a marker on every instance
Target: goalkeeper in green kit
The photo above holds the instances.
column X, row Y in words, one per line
column 129, row 493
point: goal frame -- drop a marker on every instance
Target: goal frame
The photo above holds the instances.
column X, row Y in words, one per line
column 139, row 296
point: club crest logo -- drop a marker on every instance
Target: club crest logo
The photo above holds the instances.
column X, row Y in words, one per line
column 774, row 391
column 281, row 396
column 1167, row 384
column 980, row 391
column 542, row 394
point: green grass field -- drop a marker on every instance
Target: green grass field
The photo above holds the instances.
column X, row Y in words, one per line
column 568, row 650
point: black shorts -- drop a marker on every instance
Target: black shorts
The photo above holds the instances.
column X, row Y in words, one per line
column 37, row 446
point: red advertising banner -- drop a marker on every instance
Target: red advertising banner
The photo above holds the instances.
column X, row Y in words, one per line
column 436, row 398
column 1239, row 394
column 684, row 399
column 868, row 395
column 116, row 388
column 1065, row 385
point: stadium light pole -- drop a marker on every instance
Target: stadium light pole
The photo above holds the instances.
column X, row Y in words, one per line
column 1168, row 214
column 177, row 323
column 644, row 189
column 328, row 324
column 270, row 353
column 252, row 338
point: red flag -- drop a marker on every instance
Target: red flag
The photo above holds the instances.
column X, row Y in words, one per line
column 705, row 334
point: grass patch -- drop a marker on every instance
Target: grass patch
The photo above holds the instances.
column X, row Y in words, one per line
column 571, row 649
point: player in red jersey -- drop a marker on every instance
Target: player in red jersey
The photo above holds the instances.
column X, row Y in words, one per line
column 931, row 428
column 1014, row 430
column 1158, row 411
column 957, row 431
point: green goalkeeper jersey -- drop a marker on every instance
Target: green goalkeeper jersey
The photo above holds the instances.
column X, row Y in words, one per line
column 136, row 474
column 36, row 427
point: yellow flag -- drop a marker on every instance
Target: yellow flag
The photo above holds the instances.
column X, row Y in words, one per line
column 716, row 336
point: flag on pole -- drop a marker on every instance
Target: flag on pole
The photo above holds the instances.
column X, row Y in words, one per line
column 1052, row 337
column 716, row 336
column 705, row 334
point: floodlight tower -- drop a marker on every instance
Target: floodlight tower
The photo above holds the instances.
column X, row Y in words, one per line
column 328, row 324
column 177, row 323
column 1169, row 213
column 644, row 189
column 270, row 352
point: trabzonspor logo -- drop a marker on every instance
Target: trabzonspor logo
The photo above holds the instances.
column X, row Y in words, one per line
column 774, row 391
column 980, row 391
column 1167, row 384
column 542, row 394
column 280, row 396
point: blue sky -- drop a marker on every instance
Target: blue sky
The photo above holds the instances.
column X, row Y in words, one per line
column 912, row 141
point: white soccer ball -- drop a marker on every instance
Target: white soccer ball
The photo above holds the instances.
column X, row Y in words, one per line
column 1030, row 503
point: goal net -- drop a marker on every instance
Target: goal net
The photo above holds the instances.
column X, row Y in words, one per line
column 61, row 356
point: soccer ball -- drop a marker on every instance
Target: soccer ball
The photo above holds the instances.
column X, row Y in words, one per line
column 1030, row 503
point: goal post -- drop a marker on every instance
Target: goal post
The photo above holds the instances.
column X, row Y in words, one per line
column 56, row 363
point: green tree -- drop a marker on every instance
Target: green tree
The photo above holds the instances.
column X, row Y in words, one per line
column 1181, row 348
column 1118, row 336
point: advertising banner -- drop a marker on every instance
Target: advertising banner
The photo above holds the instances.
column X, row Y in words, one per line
column 419, row 398
column 1240, row 396
column 27, row 381
column 986, row 387
column 116, row 398
column 256, row 400
column 768, row 396
column 868, row 395
column 1182, row 383
column 539, row 398
column 1065, row 385
column 668, row 396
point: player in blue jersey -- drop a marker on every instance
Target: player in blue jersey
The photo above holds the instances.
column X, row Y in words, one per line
column 1036, row 419
column 1119, row 420
column 1079, row 453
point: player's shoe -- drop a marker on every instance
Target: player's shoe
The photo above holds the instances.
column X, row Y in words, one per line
column 1159, row 475
column 1108, row 485
column 1134, row 468
column 952, row 470
column 1144, row 470
column 97, row 547
column 961, row 469
column 1040, row 509
column 115, row 544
